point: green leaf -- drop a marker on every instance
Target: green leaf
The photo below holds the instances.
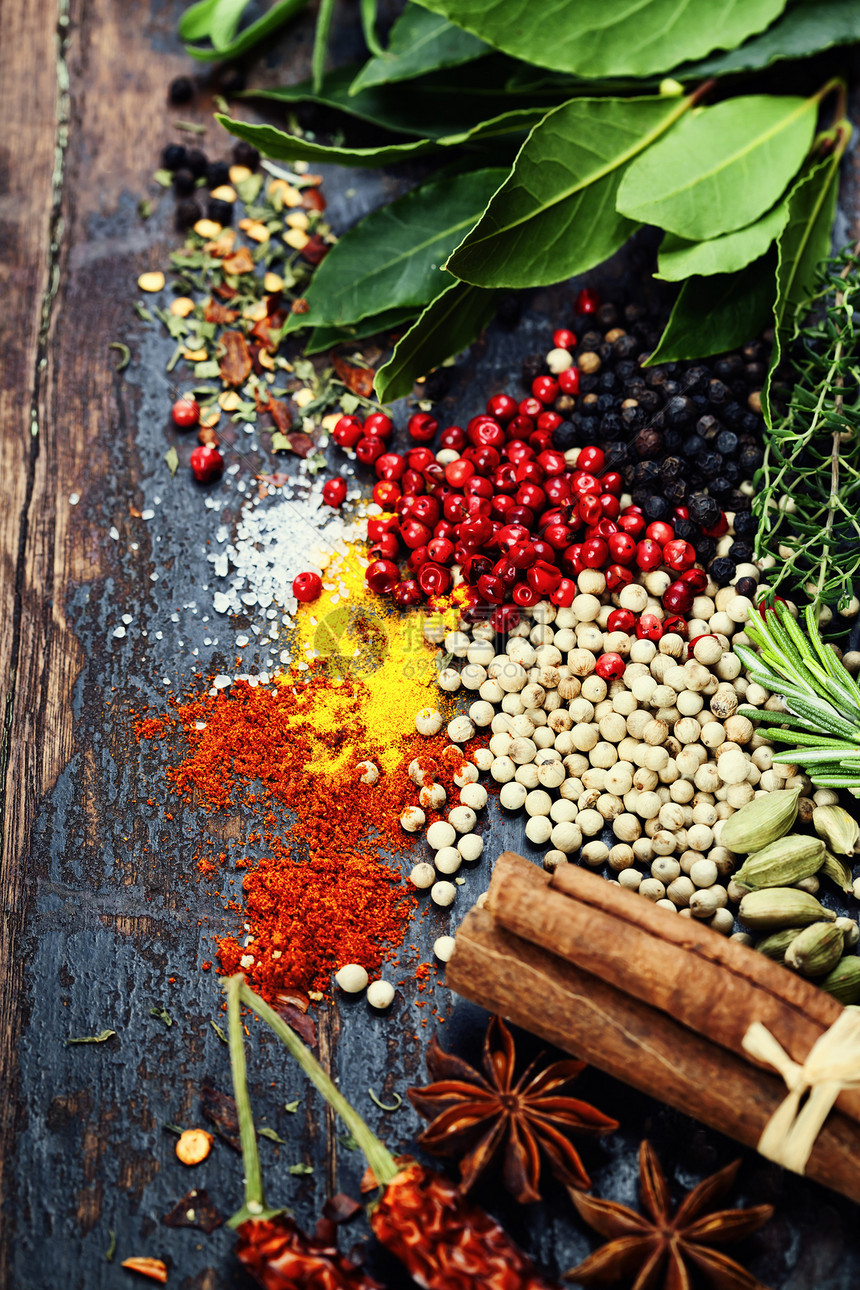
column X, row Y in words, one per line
column 247, row 38
column 323, row 338
column 266, row 1132
column 717, row 313
column 721, row 167
column 280, row 146
column 194, row 23
column 293, row 1106
column 448, row 324
column 172, row 459
column 680, row 259
column 287, row 147
column 161, row 1013
column 301, row 1169
column 224, row 22
column 807, row 27
column 392, row 259
column 92, row 1039
column 367, row 9
column 555, row 215
column 613, row 37
column 218, row 1031
column 325, row 14
column 804, row 241
column 419, row 42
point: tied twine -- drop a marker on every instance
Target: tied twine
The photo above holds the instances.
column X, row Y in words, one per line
column 832, row 1064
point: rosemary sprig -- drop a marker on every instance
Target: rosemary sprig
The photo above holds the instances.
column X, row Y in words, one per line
column 807, row 496
column 822, row 725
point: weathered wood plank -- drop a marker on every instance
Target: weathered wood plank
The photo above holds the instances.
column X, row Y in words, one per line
column 29, row 103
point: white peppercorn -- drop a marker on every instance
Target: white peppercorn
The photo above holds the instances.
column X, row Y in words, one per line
column 652, row 889
column 460, row 730
column 428, row 721
column 432, row 797
column 463, row 819
column 443, row 948
column 412, row 819
column 422, row 875
column 470, row 846
column 513, row 796
column 441, row 834
column 443, row 893
column 352, row 978
column 368, row 771
column 566, row 836
column 447, row 860
column 595, row 854
column 538, row 829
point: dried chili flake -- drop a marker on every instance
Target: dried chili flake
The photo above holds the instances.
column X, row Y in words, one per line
column 194, row 1210
column 155, row 1269
column 235, row 362
column 238, row 263
column 315, row 249
column 213, row 312
column 357, row 379
column 281, row 1257
column 220, row 1110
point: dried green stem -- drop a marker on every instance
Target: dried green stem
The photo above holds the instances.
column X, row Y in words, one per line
column 255, row 1201
column 378, row 1156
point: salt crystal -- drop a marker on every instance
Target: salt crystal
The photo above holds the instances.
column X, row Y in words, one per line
column 113, row 532
column 127, row 618
column 147, row 515
column 119, row 632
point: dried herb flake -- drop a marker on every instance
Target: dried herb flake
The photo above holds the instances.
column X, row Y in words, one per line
column 100, row 1038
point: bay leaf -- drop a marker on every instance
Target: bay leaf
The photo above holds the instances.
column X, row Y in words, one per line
column 679, row 259
column 556, row 213
column 195, row 21
column 803, row 243
column 392, row 259
column 449, row 324
column 718, row 313
column 610, row 38
column 323, row 337
column 429, row 110
column 287, row 147
column 224, row 22
column 246, row 39
column 419, row 42
column 806, row 28
column 720, row 167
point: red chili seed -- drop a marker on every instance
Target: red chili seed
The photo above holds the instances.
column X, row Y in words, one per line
column 421, row 427
column 382, row 576
column 568, row 382
column 649, row 628
column 367, row 450
column 433, row 579
column 565, row 593
column 348, row 431
column 610, row 666
column 385, row 493
column 502, row 407
column 378, row 425
column 621, row 620
column 563, row 339
column 407, row 593
column 587, row 301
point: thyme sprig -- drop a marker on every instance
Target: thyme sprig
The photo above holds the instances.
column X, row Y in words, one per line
column 807, row 492
column 822, row 725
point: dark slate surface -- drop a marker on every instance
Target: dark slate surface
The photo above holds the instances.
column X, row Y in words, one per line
column 118, row 924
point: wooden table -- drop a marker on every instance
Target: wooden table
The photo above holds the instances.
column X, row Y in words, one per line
column 101, row 920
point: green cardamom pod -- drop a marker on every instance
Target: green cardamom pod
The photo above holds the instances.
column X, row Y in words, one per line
column 843, row 982
column 761, row 821
column 775, row 945
column 782, row 863
column 838, row 829
column 775, row 907
column 838, row 871
column 816, row 949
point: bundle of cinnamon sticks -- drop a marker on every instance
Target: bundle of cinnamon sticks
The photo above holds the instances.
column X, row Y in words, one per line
column 657, row 1001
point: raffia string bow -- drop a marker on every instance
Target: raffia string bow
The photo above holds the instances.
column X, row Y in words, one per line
column 832, row 1064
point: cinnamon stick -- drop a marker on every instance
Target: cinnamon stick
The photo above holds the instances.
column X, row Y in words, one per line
column 711, row 985
column 636, row 1043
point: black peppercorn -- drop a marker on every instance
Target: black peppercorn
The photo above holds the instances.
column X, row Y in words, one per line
column 675, row 492
column 722, row 570
column 615, row 454
column 648, row 443
column 680, row 410
column 703, row 509
column 183, row 183
column 591, row 340
column 708, row 427
column 732, row 472
column 674, row 440
column 646, row 475
column 173, row 157
column 737, row 501
column 245, row 154
column 709, row 463
column 607, row 315
column 728, row 366
column 605, row 402
column 726, row 442
column 564, row 436
column 611, row 425
column 217, row 173
column 745, row 524
column 749, row 460
column 197, row 162
column 741, row 552
column 220, row 212
column 180, row 90
column 720, row 486
column 685, row 529
column 746, row 587
column 732, row 414
column 588, row 384
column 187, row 213
column 693, row 446
column 671, row 468
column 655, row 508
column 533, row 367
column 705, row 548
column 718, row 393
column 607, row 381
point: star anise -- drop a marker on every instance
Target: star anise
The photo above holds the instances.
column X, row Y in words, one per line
column 477, row 1117
column 658, row 1249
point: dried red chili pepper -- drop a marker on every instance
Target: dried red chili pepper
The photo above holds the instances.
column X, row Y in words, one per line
column 443, row 1240
column 280, row 1256
column 235, row 364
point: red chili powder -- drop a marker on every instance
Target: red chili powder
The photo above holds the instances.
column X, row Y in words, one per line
column 321, row 896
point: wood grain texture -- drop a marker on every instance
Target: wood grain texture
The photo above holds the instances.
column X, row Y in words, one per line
column 29, row 108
